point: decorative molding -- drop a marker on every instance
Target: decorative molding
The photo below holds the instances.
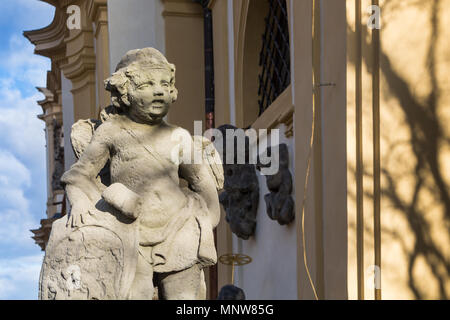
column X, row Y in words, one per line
column 51, row 109
column 42, row 234
column 281, row 111
column 51, row 104
column 80, row 50
column 79, row 64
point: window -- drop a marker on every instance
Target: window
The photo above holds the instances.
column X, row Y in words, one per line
column 274, row 58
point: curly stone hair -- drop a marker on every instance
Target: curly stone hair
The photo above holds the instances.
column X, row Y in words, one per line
column 127, row 72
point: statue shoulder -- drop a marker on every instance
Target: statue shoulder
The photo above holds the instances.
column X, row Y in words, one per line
column 176, row 129
column 107, row 130
column 111, row 125
column 84, row 131
column 178, row 134
column 210, row 157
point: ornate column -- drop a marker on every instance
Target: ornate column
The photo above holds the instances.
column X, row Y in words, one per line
column 52, row 116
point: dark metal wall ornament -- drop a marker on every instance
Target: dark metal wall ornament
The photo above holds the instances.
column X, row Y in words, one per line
column 279, row 202
column 241, row 191
column 230, row 291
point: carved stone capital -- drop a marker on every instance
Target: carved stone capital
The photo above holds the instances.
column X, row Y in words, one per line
column 49, row 41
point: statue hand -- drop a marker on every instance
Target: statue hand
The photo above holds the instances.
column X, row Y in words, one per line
column 78, row 214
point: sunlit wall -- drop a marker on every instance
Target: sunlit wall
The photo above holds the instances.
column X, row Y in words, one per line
column 415, row 149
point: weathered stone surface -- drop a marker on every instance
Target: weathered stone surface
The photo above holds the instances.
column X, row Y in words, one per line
column 279, row 202
column 94, row 261
column 241, row 192
column 131, row 221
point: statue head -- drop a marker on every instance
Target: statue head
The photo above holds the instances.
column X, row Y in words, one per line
column 143, row 85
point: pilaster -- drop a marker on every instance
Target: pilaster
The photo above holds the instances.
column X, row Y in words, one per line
column 97, row 11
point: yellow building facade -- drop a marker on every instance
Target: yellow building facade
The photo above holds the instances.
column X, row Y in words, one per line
column 363, row 117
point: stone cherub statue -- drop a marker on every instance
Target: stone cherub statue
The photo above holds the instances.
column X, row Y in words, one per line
column 142, row 229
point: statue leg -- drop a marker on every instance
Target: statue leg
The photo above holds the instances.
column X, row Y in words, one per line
column 187, row 284
column 142, row 287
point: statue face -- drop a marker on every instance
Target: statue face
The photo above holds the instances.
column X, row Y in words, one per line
column 150, row 100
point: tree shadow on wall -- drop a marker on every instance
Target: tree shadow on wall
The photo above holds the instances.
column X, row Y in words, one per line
column 427, row 139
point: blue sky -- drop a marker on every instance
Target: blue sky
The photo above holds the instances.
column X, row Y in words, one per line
column 22, row 147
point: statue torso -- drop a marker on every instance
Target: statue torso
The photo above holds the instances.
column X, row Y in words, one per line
column 141, row 160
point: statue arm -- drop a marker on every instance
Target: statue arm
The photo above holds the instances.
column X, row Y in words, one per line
column 200, row 177
column 80, row 180
column 201, row 182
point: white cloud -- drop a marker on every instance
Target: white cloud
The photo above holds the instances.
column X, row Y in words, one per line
column 20, row 130
column 15, row 229
column 27, row 14
column 15, row 217
column 10, row 165
column 22, row 64
column 22, row 159
column 19, row 277
column 22, row 148
column 22, row 133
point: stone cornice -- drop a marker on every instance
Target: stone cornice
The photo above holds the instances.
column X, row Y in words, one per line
column 49, row 41
column 42, row 234
column 48, row 95
column 53, row 114
column 51, row 109
column 81, row 63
